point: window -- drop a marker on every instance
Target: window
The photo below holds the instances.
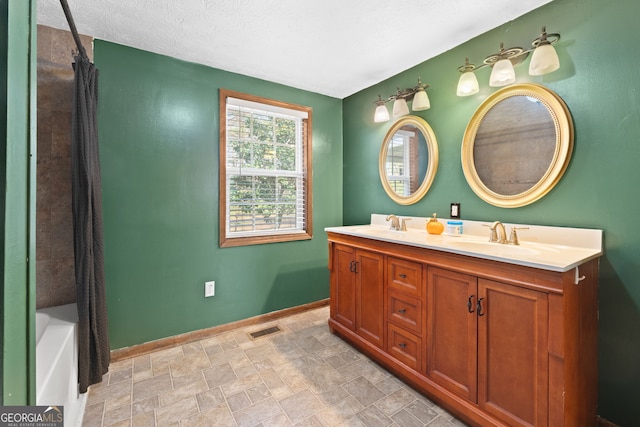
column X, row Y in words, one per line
column 265, row 170
column 402, row 172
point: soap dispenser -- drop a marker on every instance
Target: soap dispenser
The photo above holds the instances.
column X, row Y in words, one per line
column 434, row 226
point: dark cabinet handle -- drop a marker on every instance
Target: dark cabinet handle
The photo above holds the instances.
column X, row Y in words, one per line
column 402, row 276
column 470, row 304
column 353, row 266
column 480, row 313
column 402, row 345
column 402, row 311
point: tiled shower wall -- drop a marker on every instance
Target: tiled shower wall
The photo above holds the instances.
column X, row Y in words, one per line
column 55, row 284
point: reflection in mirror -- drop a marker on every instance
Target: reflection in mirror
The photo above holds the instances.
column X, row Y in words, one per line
column 408, row 160
column 517, row 145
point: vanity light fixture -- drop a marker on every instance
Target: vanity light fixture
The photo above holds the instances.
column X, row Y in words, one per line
column 382, row 114
column 417, row 95
column 543, row 61
column 545, row 58
column 468, row 83
column 400, row 107
column 502, row 72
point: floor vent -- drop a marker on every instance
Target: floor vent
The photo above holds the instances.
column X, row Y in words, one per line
column 263, row 332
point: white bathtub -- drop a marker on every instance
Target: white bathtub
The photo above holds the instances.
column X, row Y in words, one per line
column 57, row 362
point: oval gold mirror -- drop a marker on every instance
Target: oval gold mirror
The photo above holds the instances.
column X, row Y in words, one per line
column 408, row 160
column 517, row 145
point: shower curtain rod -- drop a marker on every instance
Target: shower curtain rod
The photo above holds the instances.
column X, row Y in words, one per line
column 72, row 26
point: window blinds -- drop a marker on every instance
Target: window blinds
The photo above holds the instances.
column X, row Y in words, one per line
column 265, row 169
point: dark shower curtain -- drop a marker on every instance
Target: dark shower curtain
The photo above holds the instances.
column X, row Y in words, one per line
column 93, row 338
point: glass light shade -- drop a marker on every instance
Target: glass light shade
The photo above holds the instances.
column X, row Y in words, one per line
column 381, row 114
column 400, row 107
column 502, row 74
column 421, row 101
column 544, row 60
column 468, row 84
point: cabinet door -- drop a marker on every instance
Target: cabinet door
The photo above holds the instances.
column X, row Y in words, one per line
column 512, row 353
column 370, row 296
column 451, row 331
column 343, row 286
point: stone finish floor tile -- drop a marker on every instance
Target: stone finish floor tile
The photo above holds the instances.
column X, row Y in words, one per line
column 300, row 376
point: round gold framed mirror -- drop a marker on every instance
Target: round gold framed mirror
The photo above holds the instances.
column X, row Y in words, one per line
column 408, row 160
column 517, row 145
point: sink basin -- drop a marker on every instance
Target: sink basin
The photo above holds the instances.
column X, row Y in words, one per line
column 464, row 244
column 377, row 231
column 492, row 247
column 386, row 233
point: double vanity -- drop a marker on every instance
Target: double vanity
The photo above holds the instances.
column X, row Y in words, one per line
column 499, row 334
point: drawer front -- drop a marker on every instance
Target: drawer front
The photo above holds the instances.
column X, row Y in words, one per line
column 405, row 276
column 405, row 312
column 405, row 347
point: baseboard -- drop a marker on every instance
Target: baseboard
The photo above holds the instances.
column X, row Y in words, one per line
column 164, row 343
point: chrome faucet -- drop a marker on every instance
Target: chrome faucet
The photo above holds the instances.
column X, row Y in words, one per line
column 395, row 222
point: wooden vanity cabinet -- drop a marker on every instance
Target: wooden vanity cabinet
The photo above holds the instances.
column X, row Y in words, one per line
column 404, row 318
column 495, row 343
column 451, row 331
column 512, row 353
column 488, row 344
column 357, row 292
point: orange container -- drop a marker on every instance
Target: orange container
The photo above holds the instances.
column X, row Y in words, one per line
column 434, row 226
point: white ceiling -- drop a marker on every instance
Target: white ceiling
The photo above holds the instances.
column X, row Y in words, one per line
column 332, row 47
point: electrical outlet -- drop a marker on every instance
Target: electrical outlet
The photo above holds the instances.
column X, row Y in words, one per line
column 209, row 288
column 455, row 210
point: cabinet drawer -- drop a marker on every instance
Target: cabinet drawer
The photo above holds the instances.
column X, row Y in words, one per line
column 405, row 276
column 405, row 347
column 405, row 312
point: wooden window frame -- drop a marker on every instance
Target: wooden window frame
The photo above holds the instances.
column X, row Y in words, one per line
column 307, row 232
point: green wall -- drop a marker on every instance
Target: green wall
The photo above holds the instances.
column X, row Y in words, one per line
column 598, row 80
column 158, row 130
column 17, row 201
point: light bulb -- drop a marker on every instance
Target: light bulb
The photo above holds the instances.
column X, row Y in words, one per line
column 502, row 74
column 468, row 84
column 544, row 60
column 381, row 114
column 421, row 101
column 400, row 107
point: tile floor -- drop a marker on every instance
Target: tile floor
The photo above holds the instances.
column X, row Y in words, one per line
column 300, row 376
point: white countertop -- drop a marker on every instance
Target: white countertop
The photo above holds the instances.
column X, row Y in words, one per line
column 549, row 248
